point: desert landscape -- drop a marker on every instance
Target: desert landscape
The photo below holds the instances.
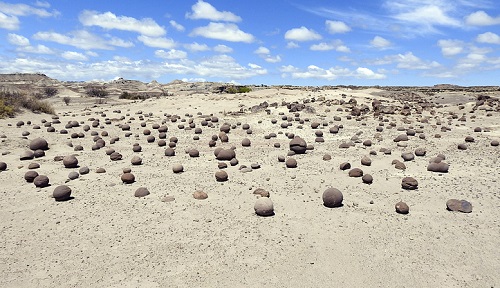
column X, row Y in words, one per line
column 214, row 185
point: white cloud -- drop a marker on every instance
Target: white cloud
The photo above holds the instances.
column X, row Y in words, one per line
column 196, row 47
column 71, row 55
column 157, row 42
column 108, row 20
column 80, row 39
column 223, row 31
column 254, row 66
column 92, row 54
column 332, row 73
column 25, row 10
column 380, row 42
column 171, row 54
column 9, row 22
column 333, row 45
column 451, row 47
column 42, row 4
column 481, row 18
column 334, row 27
column 223, row 49
column 272, row 59
column 18, row 40
column 120, row 42
column 302, row 34
column 262, row 50
column 412, row 62
column 38, row 49
column 292, row 45
column 177, row 26
column 488, row 37
column 204, row 10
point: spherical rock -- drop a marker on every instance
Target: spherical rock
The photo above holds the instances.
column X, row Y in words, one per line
column 298, row 145
column 41, row 181
column 200, row 195
column 402, row 208
column 245, row 142
column 355, row 172
column 62, row 193
column 264, row 207
column 39, row 144
column 494, row 143
column 420, row 152
column 27, row 155
column 136, row 160
column 141, row 192
column 29, row 176
column 462, row 146
column 70, row 161
column 115, row 156
column 345, row 166
column 366, row 161
column 73, row 175
column 291, row 163
column 84, row 170
column 327, row 157
column 332, row 197
column 409, row 183
column 194, row 153
column 407, row 156
column 100, row 170
column 3, row 166
column 459, row 205
column 221, row 176
column 33, row 165
column 225, row 155
column 38, row 153
column 177, row 168
column 367, row 179
column 440, row 167
column 169, row 152
column 261, row 192
column 128, row 178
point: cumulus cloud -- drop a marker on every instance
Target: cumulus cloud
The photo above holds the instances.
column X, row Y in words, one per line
column 157, row 42
column 302, row 34
column 412, row 62
column 25, row 10
column 108, row 20
column 451, row 47
column 17, row 40
column 380, row 42
column 262, row 50
column 335, row 27
column 177, row 26
column 333, row 45
column 481, row 18
column 196, row 47
column 71, row 55
column 223, row 49
column 292, row 45
column 223, row 31
column 332, row 73
column 488, row 37
column 9, row 22
column 38, row 49
column 171, row 54
column 81, row 39
column 204, row 10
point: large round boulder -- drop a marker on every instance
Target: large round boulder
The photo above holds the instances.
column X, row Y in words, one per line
column 70, row 161
column 62, row 193
column 264, row 207
column 298, row 145
column 39, row 144
column 332, row 197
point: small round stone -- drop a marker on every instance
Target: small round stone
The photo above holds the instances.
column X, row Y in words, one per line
column 366, row 161
column 62, row 193
column 141, row 192
column 264, row 207
column 367, row 179
column 3, row 166
column 402, row 208
column 332, row 197
column 177, row 168
column 221, row 176
column 200, row 195
column 409, row 183
column 355, row 172
column 136, row 160
column 73, row 175
column 459, row 205
column 128, row 178
column 291, row 163
column 70, row 161
column 345, row 166
column 84, row 170
column 41, row 181
column 39, row 144
column 29, row 176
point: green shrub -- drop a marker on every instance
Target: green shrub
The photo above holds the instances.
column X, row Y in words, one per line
column 96, row 91
column 238, row 89
column 131, row 96
column 5, row 110
column 244, row 89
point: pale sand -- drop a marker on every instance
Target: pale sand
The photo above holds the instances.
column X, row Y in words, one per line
column 105, row 237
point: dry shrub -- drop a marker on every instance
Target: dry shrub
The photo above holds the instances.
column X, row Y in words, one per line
column 12, row 103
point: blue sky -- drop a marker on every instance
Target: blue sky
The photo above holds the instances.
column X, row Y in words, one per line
column 378, row 42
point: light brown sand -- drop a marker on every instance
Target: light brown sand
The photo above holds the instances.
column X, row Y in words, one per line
column 105, row 237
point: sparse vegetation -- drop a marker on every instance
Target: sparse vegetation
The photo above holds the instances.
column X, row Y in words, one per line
column 66, row 100
column 96, row 91
column 50, row 91
column 132, row 96
column 238, row 89
column 11, row 103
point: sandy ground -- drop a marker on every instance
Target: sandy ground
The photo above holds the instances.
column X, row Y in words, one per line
column 106, row 237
